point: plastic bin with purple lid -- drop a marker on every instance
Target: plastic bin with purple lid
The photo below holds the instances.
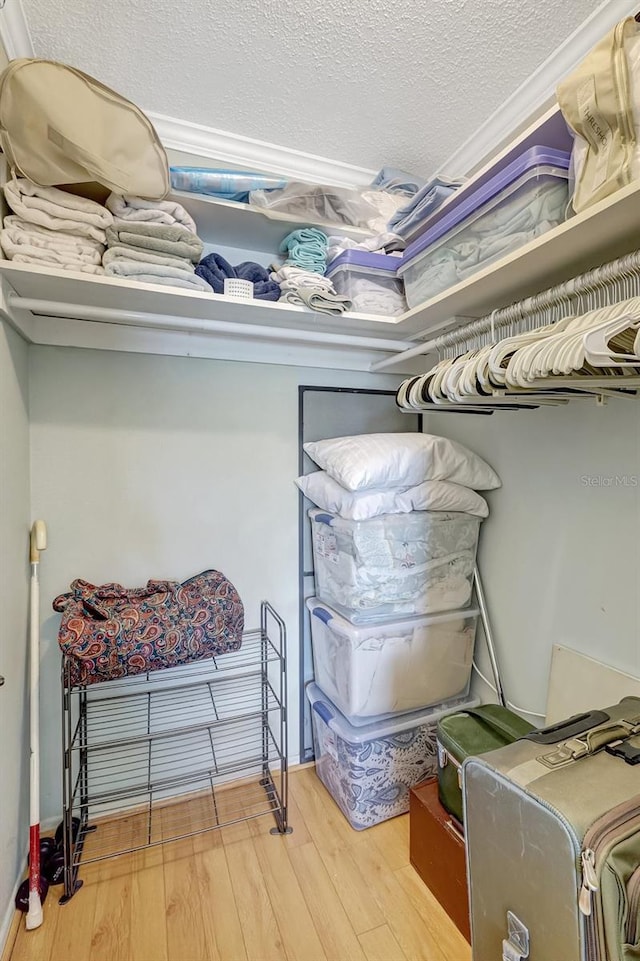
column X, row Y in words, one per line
column 523, row 201
column 370, row 281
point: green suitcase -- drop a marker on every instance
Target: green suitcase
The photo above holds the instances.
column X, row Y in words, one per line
column 469, row 733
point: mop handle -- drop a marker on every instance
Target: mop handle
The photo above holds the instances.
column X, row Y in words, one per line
column 37, row 543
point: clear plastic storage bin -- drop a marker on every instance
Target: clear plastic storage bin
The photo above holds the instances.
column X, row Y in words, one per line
column 386, row 669
column 369, row 281
column 368, row 770
column 521, row 202
column 394, row 565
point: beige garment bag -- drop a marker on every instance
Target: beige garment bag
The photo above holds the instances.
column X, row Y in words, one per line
column 59, row 126
column 596, row 101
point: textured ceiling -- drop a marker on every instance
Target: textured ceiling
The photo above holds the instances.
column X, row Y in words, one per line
column 364, row 81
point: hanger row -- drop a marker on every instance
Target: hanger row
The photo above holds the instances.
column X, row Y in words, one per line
column 570, row 357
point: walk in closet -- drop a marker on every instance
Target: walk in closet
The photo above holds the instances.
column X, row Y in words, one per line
column 159, row 432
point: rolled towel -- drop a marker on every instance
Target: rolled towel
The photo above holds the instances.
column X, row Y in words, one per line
column 215, row 269
column 263, row 287
column 307, row 248
column 147, row 273
column 57, row 210
column 120, row 252
column 19, row 237
column 291, row 278
column 173, row 239
column 150, row 211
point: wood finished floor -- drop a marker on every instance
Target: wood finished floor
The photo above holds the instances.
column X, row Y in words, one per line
column 323, row 893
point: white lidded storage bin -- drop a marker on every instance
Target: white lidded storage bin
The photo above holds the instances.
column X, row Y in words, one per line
column 394, row 565
column 368, row 770
column 369, row 281
column 385, row 669
column 520, row 203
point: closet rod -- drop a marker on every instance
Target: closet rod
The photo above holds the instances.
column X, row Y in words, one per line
column 520, row 310
column 134, row 318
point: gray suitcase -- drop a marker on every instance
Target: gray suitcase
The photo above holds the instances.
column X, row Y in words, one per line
column 553, row 842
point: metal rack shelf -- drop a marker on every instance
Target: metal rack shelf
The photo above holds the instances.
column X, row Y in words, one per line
column 158, row 757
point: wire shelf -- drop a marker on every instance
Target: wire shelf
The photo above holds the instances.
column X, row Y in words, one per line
column 135, row 748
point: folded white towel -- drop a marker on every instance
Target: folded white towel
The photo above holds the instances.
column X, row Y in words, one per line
column 150, row 211
column 57, row 210
column 122, row 252
column 292, row 278
column 47, row 246
column 37, row 261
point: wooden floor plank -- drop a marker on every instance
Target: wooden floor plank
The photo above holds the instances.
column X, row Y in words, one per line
column 147, row 895
column 290, row 908
column 380, row 945
column 406, row 924
column 452, row 943
column 353, row 890
column 227, row 927
column 332, row 923
column 262, row 938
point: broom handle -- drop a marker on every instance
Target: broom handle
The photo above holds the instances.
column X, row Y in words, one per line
column 37, row 543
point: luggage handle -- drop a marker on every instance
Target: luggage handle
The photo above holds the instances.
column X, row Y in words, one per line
column 599, row 737
column 491, row 722
column 593, row 741
column 625, row 750
column 571, row 727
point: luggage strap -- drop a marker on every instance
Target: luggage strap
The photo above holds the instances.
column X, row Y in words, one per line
column 592, row 741
column 615, row 734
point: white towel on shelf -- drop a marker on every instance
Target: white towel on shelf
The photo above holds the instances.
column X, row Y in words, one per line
column 291, row 278
column 57, row 210
column 150, row 211
column 37, row 261
column 20, row 238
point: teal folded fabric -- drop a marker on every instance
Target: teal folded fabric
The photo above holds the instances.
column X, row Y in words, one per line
column 306, row 248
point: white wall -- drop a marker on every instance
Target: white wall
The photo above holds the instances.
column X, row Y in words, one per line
column 14, row 609
column 560, row 552
column 161, row 467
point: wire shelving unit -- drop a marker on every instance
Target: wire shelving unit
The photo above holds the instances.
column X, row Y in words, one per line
column 174, row 753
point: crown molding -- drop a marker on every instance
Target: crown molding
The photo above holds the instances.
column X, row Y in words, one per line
column 14, row 31
column 231, row 148
column 537, row 92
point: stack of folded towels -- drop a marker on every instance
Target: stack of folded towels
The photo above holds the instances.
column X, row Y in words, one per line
column 53, row 228
column 301, row 278
column 153, row 242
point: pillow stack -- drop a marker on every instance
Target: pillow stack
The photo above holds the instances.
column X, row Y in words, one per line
column 372, row 474
column 394, row 539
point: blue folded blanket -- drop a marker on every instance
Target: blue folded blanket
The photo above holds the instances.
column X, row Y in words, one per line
column 306, row 248
column 214, row 269
column 422, row 205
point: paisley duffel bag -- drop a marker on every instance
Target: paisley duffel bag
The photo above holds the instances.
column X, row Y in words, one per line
column 113, row 631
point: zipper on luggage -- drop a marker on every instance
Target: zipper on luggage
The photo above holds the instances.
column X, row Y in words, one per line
column 589, row 881
column 596, row 840
column 633, row 901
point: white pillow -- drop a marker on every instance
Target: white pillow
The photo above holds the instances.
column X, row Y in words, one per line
column 329, row 495
column 384, row 461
